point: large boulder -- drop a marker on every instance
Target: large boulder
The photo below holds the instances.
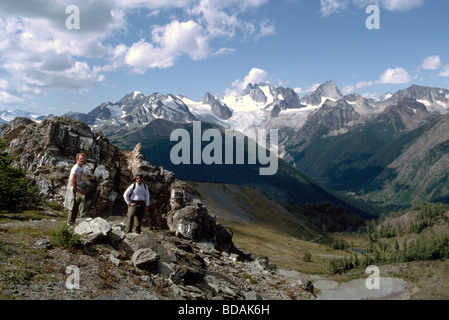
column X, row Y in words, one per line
column 192, row 222
column 93, row 230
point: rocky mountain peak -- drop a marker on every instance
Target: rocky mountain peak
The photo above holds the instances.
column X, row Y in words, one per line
column 327, row 90
column 411, row 113
column 255, row 92
column 435, row 99
column 219, row 109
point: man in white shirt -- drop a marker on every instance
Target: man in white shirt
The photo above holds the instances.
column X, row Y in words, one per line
column 75, row 200
column 137, row 197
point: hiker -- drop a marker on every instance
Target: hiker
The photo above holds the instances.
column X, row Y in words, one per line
column 137, row 197
column 75, row 198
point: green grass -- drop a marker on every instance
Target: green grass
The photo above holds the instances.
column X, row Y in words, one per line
column 285, row 250
column 16, row 268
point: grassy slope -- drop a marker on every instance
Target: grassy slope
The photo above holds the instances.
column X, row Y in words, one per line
column 266, row 228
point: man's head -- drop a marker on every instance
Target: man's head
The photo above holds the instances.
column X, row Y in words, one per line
column 139, row 179
column 80, row 159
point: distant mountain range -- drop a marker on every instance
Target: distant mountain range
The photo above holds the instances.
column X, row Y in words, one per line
column 379, row 149
column 8, row 115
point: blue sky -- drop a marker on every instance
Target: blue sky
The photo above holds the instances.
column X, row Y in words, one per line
column 198, row 46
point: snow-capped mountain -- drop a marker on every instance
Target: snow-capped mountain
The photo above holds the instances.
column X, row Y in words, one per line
column 435, row 99
column 8, row 115
column 259, row 106
column 326, row 91
column 135, row 110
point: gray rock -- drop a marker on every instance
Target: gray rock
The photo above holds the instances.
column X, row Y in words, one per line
column 264, row 264
column 145, row 259
column 164, row 269
column 93, row 230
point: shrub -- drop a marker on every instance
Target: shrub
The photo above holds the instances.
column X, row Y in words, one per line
column 307, row 256
column 66, row 238
column 15, row 190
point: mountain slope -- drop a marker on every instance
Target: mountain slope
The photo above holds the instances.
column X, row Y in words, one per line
column 288, row 185
column 347, row 161
column 421, row 172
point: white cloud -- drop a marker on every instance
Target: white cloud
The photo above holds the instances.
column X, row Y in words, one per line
column 39, row 54
column 431, row 63
column 395, row 76
column 178, row 38
column 168, row 43
column 313, row 88
column 348, row 90
column 329, row 7
column 6, row 97
column 255, row 76
column 266, row 29
column 152, row 4
column 402, row 5
column 143, row 55
column 445, row 71
column 353, row 88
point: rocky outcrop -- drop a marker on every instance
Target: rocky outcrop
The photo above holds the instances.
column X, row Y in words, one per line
column 47, row 152
column 180, row 268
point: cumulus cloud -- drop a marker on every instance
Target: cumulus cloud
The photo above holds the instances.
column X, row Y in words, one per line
column 255, row 76
column 431, row 63
column 207, row 21
column 395, row 76
column 39, row 54
column 168, row 43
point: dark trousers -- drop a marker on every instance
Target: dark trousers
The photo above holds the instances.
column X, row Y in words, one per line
column 135, row 215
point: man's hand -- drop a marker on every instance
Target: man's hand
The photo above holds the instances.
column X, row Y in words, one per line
column 147, row 209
